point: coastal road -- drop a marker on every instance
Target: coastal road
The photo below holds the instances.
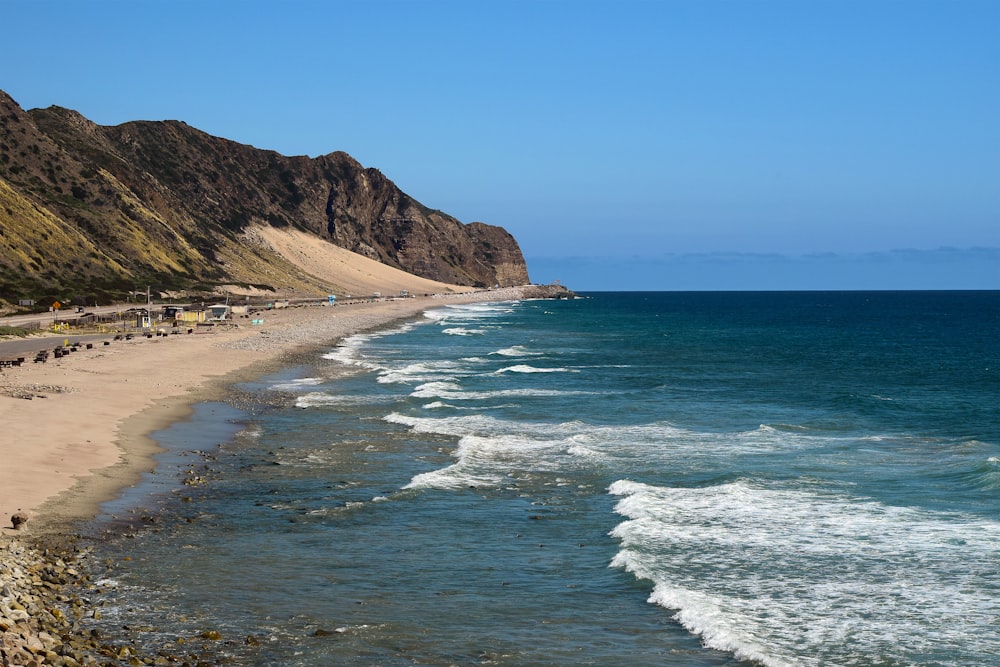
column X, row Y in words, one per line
column 67, row 315
column 47, row 340
column 28, row 347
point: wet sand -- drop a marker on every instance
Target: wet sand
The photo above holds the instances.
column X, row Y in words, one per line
column 83, row 435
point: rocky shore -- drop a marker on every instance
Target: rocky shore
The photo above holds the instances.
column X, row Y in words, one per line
column 41, row 613
column 48, row 583
column 46, row 617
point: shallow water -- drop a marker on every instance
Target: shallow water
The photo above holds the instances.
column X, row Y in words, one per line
column 640, row 478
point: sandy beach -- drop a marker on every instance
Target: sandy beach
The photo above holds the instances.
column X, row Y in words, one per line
column 84, row 433
column 76, row 432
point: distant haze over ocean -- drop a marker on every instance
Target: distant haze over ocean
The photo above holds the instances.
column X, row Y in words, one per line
column 940, row 269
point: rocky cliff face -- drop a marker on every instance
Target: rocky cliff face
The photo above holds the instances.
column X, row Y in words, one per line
column 162, row 202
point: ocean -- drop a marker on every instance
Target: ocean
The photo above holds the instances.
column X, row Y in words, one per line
column 647, row 478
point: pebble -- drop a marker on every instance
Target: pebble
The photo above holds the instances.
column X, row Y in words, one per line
column 40, row 610
column 40, row 607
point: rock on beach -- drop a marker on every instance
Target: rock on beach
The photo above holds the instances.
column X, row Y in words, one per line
column 26, row 602
column 44, row 616
column 41, row 612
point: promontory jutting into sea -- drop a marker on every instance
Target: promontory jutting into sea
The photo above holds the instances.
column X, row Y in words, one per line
column 630, row 478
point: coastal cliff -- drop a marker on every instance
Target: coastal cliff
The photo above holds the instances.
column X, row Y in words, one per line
column 102, row 210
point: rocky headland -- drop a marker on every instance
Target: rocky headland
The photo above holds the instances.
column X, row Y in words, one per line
column 90, row 212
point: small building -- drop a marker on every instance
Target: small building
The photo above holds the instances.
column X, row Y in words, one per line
column 142, row 318
column 190, row 316
column 172, row 312
column 218, row 312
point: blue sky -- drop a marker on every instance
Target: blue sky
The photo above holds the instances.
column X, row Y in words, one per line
column 700, row 144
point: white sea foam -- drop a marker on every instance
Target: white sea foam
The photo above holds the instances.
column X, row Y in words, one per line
column 516, row 351
column 462, row 331
column 491, row 461
column 490, row 451
column 297, row 385
column 658, row 442
column 251, row 431
column 315, row 399
column 591, row 453
column 526, row 368
column 438, row 389
column 320, row 398
column 439, row 314
column 456, row 426
column 424, row 371
column 574, row 433
column 774, row 574
column 453, row 391
column 490, row 448
column 470, row 311
column 349, row 350
column 456, row 476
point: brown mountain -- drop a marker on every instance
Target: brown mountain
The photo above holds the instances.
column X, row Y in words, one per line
column 101, row 210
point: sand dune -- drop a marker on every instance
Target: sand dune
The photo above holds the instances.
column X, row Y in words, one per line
column 350, row 272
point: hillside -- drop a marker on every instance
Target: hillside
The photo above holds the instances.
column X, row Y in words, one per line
column 92, row 211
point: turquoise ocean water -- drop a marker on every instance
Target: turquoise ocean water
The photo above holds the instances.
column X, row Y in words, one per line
column 688, row 479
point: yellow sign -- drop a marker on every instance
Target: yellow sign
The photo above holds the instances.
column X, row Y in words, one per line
column 56, row 305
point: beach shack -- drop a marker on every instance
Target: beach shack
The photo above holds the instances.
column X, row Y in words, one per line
column 189, row 317
column 142, row 318
column 218, row 312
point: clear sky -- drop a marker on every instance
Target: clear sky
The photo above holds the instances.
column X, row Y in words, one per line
column 680, row 144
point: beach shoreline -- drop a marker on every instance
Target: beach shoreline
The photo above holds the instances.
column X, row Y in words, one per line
column 78, row 432
column 84, row 435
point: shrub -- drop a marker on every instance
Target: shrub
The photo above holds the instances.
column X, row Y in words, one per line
column 13, row 331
